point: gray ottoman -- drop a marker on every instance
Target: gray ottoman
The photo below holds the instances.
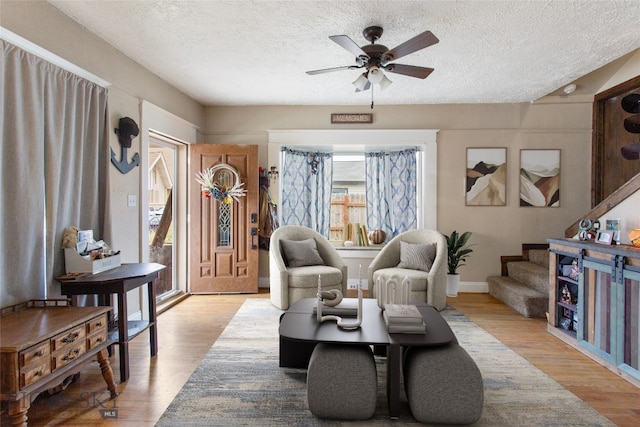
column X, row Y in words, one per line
column 443, row 385
column 342, row 382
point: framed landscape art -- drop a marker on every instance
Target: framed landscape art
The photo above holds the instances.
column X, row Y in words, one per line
column 540, row 178
column 486, row 182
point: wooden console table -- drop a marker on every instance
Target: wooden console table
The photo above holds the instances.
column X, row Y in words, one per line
column 119, row 281
column 42, row 343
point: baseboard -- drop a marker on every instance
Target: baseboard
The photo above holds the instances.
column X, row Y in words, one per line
column 474, row 287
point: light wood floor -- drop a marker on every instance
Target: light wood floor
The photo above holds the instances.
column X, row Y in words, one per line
column 187, row 331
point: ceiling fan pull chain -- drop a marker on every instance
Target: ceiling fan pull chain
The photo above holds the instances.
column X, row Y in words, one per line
column 372, row 86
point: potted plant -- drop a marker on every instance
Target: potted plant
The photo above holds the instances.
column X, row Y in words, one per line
column 457, row 255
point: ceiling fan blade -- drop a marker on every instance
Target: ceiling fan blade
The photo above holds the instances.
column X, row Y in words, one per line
column 329, row 70
column 418, row 42
column 351, row 46
column 409, row 70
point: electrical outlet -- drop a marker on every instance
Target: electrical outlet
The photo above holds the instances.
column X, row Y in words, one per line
column 132, row 200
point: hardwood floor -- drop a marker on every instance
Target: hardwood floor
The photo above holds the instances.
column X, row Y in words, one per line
column 187, row 331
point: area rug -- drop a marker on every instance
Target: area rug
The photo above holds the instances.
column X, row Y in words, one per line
column 239, row 383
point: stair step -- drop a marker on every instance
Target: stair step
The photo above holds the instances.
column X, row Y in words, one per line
column 540, row 257
column 525, row 300
column 533, row 275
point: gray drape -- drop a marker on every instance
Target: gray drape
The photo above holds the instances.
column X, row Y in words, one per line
column 54, row 128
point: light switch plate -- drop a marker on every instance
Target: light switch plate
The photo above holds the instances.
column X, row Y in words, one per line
column 132, row 200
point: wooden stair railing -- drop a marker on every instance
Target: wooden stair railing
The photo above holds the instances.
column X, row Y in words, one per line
column 613, row 200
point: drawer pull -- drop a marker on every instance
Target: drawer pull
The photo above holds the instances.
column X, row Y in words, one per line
column 39, row 373
column 39, row 353
column 72, row 355
column 98, row 324
column 70, row 338
column 100, row 339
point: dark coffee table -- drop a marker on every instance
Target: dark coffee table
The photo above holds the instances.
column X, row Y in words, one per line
column 300, row 332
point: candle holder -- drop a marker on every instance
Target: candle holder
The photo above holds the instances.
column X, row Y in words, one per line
column 349, row 326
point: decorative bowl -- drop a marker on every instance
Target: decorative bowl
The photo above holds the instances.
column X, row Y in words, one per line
column 634, row 236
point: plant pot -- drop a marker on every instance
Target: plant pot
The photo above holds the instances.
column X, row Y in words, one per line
column 453, row 282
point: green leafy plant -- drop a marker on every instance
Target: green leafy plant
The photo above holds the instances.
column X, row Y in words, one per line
column 457, row 252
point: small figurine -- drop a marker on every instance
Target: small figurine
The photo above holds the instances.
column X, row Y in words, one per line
column 575, row 273
column 566, row 295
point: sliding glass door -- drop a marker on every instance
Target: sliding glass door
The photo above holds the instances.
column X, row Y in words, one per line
column 163, row 161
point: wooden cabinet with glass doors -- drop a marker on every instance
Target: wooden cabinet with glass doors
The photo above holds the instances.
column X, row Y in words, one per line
column 594, row 302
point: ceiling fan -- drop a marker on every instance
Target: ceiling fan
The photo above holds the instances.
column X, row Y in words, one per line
column 375, row 58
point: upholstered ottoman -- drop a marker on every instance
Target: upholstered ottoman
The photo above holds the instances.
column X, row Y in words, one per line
column 342, row 382
column 443, row 385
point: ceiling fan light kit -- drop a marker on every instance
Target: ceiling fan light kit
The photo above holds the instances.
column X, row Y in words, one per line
column 375, row 75
column 375, row 58
column 361, row 81
column 384, row 83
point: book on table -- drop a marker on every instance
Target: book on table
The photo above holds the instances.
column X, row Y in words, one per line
column 407, row 329
column 402, row 314
column 403, row 319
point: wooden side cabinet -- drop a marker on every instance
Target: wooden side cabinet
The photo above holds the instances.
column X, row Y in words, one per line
column 44, row 341
column 594, row 302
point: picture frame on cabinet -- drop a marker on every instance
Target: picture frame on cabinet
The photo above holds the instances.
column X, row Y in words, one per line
column 613, row 225
column 605, row 237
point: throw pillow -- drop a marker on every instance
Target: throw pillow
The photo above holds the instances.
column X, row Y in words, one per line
column 300, row 253
column 417, row 256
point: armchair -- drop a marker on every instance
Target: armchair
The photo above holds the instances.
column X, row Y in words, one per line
column 428, row 282
column 294, row 265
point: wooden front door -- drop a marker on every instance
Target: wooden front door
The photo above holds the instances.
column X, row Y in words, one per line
column 223, row 237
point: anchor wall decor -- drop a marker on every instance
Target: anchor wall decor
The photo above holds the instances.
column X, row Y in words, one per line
column 127, row 130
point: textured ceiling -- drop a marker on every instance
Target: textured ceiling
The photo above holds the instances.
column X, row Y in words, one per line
column 257, row 52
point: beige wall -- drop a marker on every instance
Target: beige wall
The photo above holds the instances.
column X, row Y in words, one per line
column 496, row 230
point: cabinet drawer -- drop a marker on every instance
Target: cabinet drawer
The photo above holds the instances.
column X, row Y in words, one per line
column 96, row 324
column 30, row 376
column 97, row 339
column 68, row 355
column 37, row 354
column 69, row 338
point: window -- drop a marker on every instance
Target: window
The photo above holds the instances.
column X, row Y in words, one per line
column 341, row 142
column 348, row 201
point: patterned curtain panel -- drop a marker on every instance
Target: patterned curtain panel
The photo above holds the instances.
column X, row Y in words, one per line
column 391, row 191
column 306, row 189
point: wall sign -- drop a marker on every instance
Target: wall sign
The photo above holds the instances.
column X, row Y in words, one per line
column 337, row 118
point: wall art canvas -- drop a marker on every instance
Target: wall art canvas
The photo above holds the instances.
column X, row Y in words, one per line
column 540, row 178
column 486, row 177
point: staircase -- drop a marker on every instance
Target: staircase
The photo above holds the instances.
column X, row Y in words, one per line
column 524, row 284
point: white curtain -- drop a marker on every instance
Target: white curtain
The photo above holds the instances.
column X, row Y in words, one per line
column 54, row 163
column 306, row 189
column 391, row 191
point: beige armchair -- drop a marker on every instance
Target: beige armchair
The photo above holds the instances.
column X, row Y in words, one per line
column 297, row 256
column 430, row 285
